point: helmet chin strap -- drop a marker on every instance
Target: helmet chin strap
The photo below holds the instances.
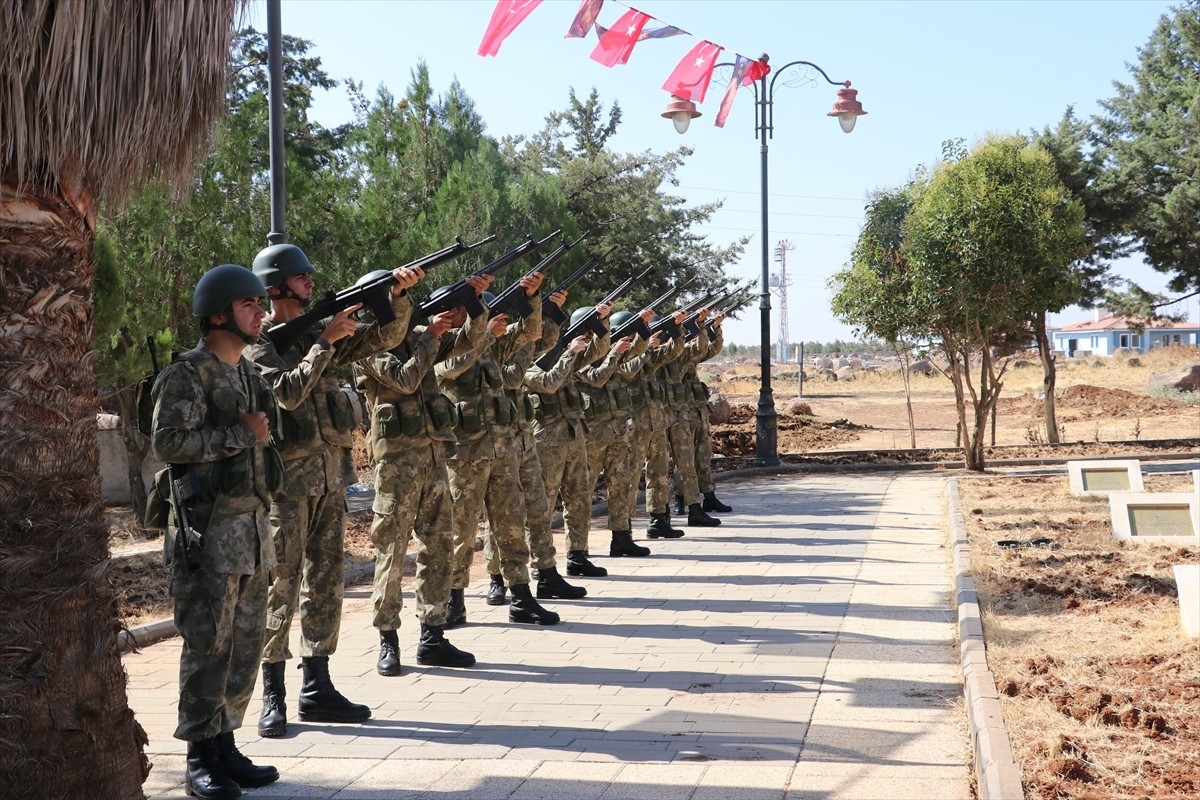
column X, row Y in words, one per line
column 286, row 293
column 231, row 326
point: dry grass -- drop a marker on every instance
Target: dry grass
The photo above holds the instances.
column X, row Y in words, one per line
column 1100, row 687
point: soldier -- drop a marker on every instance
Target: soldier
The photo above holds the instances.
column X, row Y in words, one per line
column 701, row 427
column 410, row 436
column 680, row 433
column 648, row 442
column 483, row 472
column 211, row 423
column 561, row 436
column 608, row 409
column 308, row 517
column 542, row 555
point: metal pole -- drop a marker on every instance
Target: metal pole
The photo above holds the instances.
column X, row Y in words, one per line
column 278, row 234
column 767, row 423
column 800, row 372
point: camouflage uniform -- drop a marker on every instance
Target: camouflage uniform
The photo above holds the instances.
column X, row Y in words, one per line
column 483, row 471
column 561, row 435
column 650, row 422
column 608, row 409
column 701, row 427
column 219, row 611
column 679, row 409
column 308, row 518
column 538, row 536
column 410, row 437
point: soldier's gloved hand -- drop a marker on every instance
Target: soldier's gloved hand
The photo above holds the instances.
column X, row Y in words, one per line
column 341, row 325
column 624, row 345
column 603, row 309
column 531, row 283
column 580, row 343
column 498, row 325
column 559, row 297
column 406, row 278
column 479, row 283
column 257, row 422
column 441, row 323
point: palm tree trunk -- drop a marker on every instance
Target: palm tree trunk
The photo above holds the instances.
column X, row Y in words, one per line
column 65, row 722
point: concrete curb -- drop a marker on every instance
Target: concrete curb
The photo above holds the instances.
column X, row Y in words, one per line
column 996, row 773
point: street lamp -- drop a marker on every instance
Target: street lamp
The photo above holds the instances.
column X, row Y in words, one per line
column 847, row 109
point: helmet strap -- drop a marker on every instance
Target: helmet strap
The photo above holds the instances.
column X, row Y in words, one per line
column 231, row 325
column 286, row 293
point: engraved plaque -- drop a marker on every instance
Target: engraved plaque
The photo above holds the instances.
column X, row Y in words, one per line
column 1164, row 520
column 1105, row 480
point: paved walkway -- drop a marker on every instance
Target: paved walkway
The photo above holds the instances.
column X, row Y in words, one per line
column 805, row 649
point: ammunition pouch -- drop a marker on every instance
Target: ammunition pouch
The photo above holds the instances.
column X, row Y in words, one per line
column 341, row 410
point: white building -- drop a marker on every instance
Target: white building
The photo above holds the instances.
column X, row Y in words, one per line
column 1104, row 334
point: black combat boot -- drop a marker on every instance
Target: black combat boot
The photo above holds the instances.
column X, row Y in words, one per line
column 697, row 518
column 320, row 702
column 389, row 654
column 622, row 545
column 456, row 609
column 206, row 776
column 660, row 527
column 273, row 721
column 496, row 595
column 679, row 506
column 245, row 772
column 711, row 503
column 578, row 565
column 551, row 584
column 435, row 651
column 525, row 609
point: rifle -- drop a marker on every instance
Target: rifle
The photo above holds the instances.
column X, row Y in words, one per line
column 667, row 323
column 590, row 322
column 461, row 293
column 635, row 326
column 375, row 295
column 512, row 301
column 554, row 312
column 188, row 538
column 691, row 327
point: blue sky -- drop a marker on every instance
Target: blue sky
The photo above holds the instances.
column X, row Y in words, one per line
column 926, row 72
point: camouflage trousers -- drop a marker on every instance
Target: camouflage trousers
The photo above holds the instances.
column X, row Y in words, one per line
column 491, row 483
column 683, row 453
column 411, row 497
column 702, row 430
column 649, row 453
column 308, row 533
column 537, row 517
column 220, row 619
column 615, row 459
column 565, row 472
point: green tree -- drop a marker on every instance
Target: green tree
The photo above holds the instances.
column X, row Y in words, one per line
column 1149, row 139
column 95, row 95
column 989, row 240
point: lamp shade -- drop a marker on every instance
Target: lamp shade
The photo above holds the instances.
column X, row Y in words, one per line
column 681, row 113
column 847, row 108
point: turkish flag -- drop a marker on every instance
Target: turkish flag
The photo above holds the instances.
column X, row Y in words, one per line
column 584, row 19
column 617, row 42
column 505, row 19
column 690, row 79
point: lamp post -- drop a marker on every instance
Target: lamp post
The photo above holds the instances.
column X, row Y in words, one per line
column 847, row 109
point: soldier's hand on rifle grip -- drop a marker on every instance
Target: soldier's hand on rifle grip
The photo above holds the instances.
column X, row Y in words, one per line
column 679, row 317
column 624, row 345
column 479, row 283
column 498, row 325
column 603, row 310
column 406, row 278
column 657, row 339
column 256, row 421
column 647, row 315
column 531, row 283
column 580, row 343
column 702, row 314
column 341, row 325
column 559, row 297
column 718, row 320
column 441, row 323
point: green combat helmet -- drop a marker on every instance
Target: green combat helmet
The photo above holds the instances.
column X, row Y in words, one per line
column 579, row 313
column 620, row 318
column 218, row 288
column 279, row 261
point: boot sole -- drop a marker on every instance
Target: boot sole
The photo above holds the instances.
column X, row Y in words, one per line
column 435, row 663
column 272, row 733
column 232, row 795
column 715, row 524
column 663, row 535
column 497, row 601
column 556, row 596
column 532, row 620
column 258, row 783
column 627, row 555
column 579, row 573
column 333, row 718
column 388, row 673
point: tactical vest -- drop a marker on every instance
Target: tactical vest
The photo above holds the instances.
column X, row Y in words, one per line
column 676, row 395
column 566, row 403
column 325, row 417
column 482, row 406
column 404, row 422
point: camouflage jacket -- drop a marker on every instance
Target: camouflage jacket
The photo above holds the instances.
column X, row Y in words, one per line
column 523, row 361
column 407, row 412
column 678, row 390
column 651, row 414
column 317, row 423
column 558, row 407
column 486, row 413
column 695, row 389
column 196, row 424
column 607, row 402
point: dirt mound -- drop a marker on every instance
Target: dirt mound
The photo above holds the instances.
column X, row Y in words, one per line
column 798, row 431
column 1084, row 401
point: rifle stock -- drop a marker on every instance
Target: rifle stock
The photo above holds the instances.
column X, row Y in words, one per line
column 554, row 312
column 512, row 301
column 461, row 293
column 375, row 295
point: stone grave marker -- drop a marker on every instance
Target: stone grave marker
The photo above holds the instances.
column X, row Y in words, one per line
column 1160, row 517
column 1102, row 477
column 1187, row 578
